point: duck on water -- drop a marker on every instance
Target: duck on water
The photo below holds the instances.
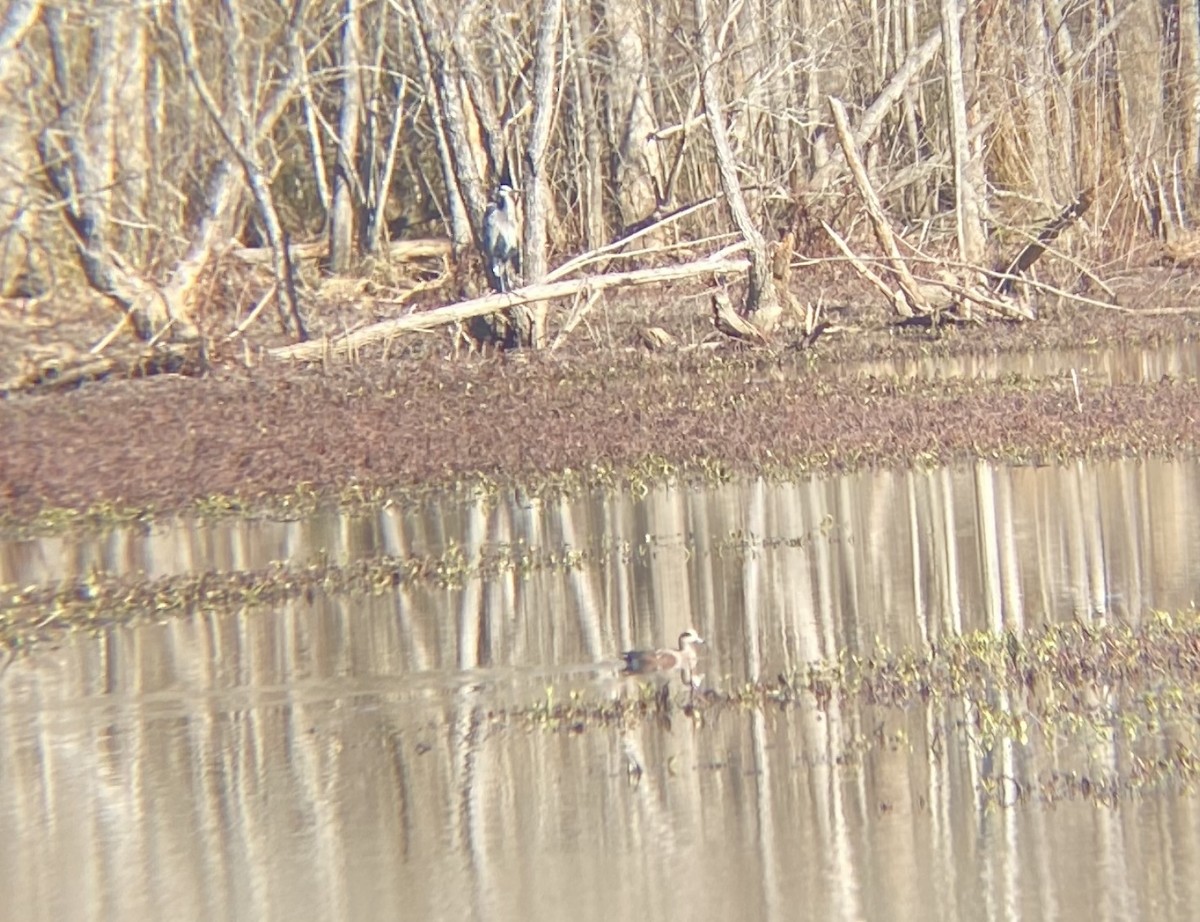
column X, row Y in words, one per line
column 650, row 662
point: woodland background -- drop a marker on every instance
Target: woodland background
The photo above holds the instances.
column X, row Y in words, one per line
column 143, row 142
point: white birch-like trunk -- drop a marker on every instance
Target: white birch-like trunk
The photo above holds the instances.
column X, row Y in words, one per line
column 968, row 197
column 537, row 192
column 343, row 213
column 17, row 160
column 1189, row 85
column 761, row 298
column 639, row 163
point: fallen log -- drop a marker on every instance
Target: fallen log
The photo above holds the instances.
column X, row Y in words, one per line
column 400, row 250
column 492, row 303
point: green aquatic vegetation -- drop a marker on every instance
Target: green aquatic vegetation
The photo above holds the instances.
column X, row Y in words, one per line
column 1132, row 688
column 98, row 600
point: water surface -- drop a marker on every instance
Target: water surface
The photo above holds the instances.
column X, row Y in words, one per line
column 358, row 755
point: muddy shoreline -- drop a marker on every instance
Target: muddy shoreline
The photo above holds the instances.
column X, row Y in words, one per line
column 418, row 420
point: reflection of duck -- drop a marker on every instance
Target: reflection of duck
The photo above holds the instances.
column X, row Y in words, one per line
column 645, row 662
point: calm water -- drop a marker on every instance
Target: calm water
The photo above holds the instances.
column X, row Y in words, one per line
column 347, row 757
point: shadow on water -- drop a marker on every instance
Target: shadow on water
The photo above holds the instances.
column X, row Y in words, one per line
column 453, row 743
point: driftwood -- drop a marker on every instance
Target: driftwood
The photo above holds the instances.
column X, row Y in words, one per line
column 656, row 338
column 399, row 251
column 62, row 367
column 730, row 323
column 492, row 303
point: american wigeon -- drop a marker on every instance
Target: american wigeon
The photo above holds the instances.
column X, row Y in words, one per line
column 647, row 662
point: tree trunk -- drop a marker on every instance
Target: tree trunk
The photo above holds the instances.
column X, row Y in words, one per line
column 16, row 157
column 537, row 192
column 342, row 217
column 488, row 142
column 1189, row 86
column 133, row 140
column 968, row 196
column 589, row 178
column 1140, row 104
column 79, row 159
column 452, row 112
column 21, row 16
column 874, row 115
column 1035, row 92
column 461, row 234
column 762, row 300
column 817, row 141
column 242, row 131
column 638, row 162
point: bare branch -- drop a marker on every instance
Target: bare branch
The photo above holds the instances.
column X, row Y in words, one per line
column 490, row 304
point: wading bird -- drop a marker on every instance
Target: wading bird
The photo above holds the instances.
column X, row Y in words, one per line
column 502, row 239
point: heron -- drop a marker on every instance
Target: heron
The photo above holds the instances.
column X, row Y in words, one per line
column 502, row 238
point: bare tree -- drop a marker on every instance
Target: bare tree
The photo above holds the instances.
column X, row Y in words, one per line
column 343, row 216
column 1189, row 85
column 537, row 192
column 460, row 164
column 243, row 133
column 968, row 195
column 761, row 299
column 78, row 154
column 638, row 162
column 593, row 111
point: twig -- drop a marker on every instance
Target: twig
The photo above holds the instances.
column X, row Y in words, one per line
column 577, row 315
column 859, row 266
column 112, row 334
column 584, row 259
column 250, row 318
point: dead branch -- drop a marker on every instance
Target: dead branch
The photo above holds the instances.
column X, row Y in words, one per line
column 916, row 302
column 584, row 259
column 874, row 115
column 761, row 297
column 492, row 303
column 728, row 322
column 61, row 367
column 656, row 338
column 858, row 264
column 981, row 296
column 584, row 302
column 1004, row 281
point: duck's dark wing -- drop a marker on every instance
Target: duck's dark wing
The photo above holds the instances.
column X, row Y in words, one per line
column 638, row 662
